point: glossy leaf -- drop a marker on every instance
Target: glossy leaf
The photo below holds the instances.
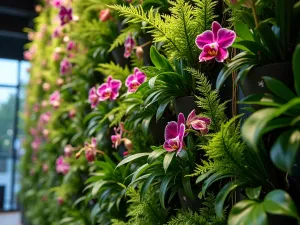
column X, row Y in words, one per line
column 146, row 185
column 253, row 193
column 248, row 212
column 159, row 61
column 155, row 154
column 280, row 203
column 243, row 31
column 279, row 88
column 163, row 189
column 283, row 152
column 222, row 195
column 162, row 107
column 167, row 160
column 186, row 182
column 132, row 158
column 296, row 69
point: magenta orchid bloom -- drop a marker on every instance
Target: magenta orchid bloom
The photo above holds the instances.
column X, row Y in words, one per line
column 45, row 117
column 93, row 97
column 56, row 3
column 135, row 80
column 129, row 46
column 214, row 43
column 71, row 45
column 104, row 15
column 174, row 134
column 65, row 67
column 116, row 139
column 90, row 150
column 65, row 15
column 62, row 166
column 198, row 123
column 55, row 99
column 109, row 90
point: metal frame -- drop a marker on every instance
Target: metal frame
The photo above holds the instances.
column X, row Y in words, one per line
column 15, row 135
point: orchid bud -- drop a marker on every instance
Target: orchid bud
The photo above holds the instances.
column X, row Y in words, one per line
column 60, row 200
column 46, row 86
column 128, row 144
column 125, row 153
column 90, row 156
column 60, row 81
column 72, row 113
column 44, row 103
column 139, row 52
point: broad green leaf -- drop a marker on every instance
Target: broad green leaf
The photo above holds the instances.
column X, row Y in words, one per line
column 256, row 123
column 151, row 82
column 204, row 176
column 283, row 152
column 247, row 212
column 279, row 202
column 270, row 40
column 243, row 31
column 132, row 157
column 213, row 178
column 163, row 189
column 296, row 69
column 222, row 195
column 162, row 107
column 145, row 124
column 253, row 193
column 155, row 154
column 95, row 211
column 284, row 16
column 98, row 185
column 279, row 88
column 142, row 169
column 276, row 123
column 167, row 160
column 248, row 19
column 146, row 185
column 186, row 182
column 159, row 61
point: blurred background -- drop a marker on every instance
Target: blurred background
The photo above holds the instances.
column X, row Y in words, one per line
column 15, row 15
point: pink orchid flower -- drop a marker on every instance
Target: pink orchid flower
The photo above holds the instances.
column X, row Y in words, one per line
column 35, row 145
column 135, row 80
column 214, row 43
column 90, row 150
column 116, row 139
column 198, row 123
column 65, row 15
column 45, row 117
column 68, row 151
column 174, row 134
column 56, row 3
column 109, row 90
column 62, row 166
column 129, row 46
column 71, row 45
column 104, row 15
column 65, row 67
column 93, row 97
column 57, row 32
column 55, row 99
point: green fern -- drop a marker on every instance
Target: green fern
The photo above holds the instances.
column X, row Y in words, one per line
column 209, row 100
column 203, row 168
column 132, row 28
column 114, row 70
column 178, row 30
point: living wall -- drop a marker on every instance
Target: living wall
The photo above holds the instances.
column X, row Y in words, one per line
column 163, row 112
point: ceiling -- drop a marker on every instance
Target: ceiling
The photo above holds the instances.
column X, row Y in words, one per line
column 14, row 16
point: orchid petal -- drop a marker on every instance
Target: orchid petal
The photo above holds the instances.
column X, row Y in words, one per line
column 215, row 28
column 171, row 130
column 102, row 88
column 129, row 79
column 167, row 147
column 181, row 132
column 222, row 55
column 204, row 56
column 191, row 117
column 180, row 119
column 205, row 38
column 225, row 38
column 94, row 142
column 115, row 85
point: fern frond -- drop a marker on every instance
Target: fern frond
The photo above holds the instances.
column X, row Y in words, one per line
column 209, row 100
column 201, row 169
column 132, row 28
column 204, row 14
column 114, row 70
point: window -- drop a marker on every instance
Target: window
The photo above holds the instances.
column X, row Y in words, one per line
column 13, row 78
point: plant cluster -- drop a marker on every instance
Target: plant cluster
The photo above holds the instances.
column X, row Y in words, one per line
column 128, row 116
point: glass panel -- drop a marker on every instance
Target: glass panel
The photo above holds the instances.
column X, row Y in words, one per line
column 7, row 113
column 24, row 74
column 8, row 72
column 5, row 183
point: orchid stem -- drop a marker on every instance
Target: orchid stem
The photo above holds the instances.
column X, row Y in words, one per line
column 253, row 7
column 145, row 44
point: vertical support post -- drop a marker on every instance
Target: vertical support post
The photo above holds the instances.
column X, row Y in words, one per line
column 15, row 134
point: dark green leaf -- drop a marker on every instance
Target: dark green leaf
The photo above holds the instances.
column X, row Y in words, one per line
column 243, row 31
column 186, row 182
column 155, row 154
column 283, row 152
column 162, row 107
column 132, row 157
column 163, row 189
column 146, row 185
column 279, row 202
column 296, row 68
column 279, row 88
column 159, row 61
column 253, row 193
column 167, row 160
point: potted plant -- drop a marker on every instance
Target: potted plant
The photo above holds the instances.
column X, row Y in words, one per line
column 266, row 47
